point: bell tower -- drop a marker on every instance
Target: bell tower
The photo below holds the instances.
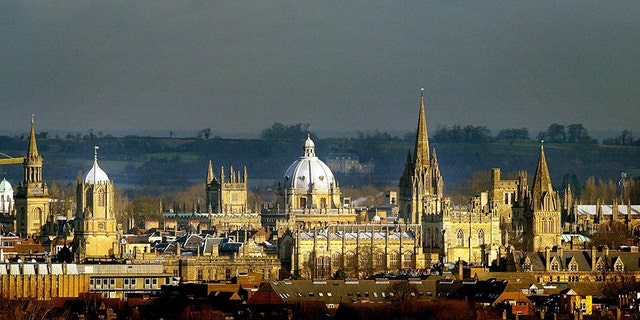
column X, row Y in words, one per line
column 542, row 211
column 96, row 234
column 32, row 194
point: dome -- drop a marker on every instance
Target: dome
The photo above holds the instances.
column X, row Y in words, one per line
column 96, row 174
column 308, row 170
column 5, row 185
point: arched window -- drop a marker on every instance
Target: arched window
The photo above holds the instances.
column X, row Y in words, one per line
column 460, row 237
column 336, row 260
column 545, row 228
column 393, row 260
column 350, row 260
column 100, row 198
column 480, row 237
column 379, row 261
column 408, row 260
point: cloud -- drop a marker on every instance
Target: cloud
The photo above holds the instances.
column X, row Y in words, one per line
column 239, row 66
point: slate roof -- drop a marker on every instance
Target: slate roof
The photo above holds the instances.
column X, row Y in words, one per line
column 336, row 291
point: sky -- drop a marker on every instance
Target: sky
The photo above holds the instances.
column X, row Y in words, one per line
column 237, row 67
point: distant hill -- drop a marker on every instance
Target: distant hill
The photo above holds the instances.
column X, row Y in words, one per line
column 156, row 165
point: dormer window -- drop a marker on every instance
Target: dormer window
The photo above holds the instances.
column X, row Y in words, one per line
column 618, row 265
column 555, row 266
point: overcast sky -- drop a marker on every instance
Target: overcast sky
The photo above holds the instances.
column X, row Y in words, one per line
column 341, row 66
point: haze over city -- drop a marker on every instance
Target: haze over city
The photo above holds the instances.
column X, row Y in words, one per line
column 148, row 67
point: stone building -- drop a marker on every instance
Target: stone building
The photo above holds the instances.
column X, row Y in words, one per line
column 227, row 195
column 542, row 225
column 41, row 281
column 6, row 197
column 470, row 233
column 421, row 188
column 360, row 250
column 308, row 196
column 95, row 233
column 32, row 194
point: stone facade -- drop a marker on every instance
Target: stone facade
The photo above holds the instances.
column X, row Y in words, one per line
column 541, row 212
column 359, row 250
column 95, row 233
column 32, row 194
column 227, row 195
column 421, row 187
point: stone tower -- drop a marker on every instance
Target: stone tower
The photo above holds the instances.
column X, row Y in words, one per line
column 421, row 185
column 95, row 234
column 229, row 195
column 32, row 194
column 542, row 216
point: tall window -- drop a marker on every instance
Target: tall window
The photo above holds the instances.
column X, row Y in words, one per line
column 336, row 260
column 481, row 237
column 393, row 260
column 460, row 237
column 100, row 198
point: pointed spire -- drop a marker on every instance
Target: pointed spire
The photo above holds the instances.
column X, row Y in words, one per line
column 421, row 152
column 542, row 179
column 210, row 175
column 33, row 147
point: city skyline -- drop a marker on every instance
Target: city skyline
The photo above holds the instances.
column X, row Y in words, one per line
column 237, row 68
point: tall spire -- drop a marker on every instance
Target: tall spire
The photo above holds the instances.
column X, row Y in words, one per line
column 210, row 175
column 542, row 179
column 33, row 147
column 421, row 152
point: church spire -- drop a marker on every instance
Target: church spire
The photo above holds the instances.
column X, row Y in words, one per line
column 210, row 175
column 33, row 147
column 542, row 179
column 421, row 152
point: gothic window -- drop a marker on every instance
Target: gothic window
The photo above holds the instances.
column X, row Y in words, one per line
column 379, row 261
column 573, row 267
column 305, row 258
column 100, row 198
column 460, row 237
column 323, row 266
column 393, row 260
column 526, row 267
column 336, row 260
column 600, row 267
column 481, row 237
column 323, row 202
column 408, row 260
column 551, row 226
column 544, row 226
column 350, row 260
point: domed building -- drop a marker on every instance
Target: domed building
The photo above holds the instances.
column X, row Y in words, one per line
column 6, row 196
column 95, row 234
column 308, row 195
